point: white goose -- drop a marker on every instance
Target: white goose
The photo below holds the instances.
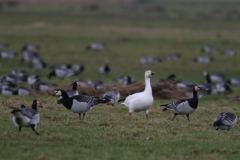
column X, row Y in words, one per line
column 141, row 101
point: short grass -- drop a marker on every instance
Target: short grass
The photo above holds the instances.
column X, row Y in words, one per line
column 108, row 132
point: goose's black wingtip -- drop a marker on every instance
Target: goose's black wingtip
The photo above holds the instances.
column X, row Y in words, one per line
column 164, row 109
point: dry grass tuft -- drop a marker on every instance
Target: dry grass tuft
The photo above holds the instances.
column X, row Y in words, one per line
column 56, row 137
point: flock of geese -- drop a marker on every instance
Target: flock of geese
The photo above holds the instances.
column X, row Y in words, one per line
column 137, row 102
column 81, row 104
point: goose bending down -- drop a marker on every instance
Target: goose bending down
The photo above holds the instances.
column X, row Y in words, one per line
column 78, row 104
column 61, row 73
column 225, row 121
column 27, row 117
column 184, row 106
column 141, row 101
column 104, row 69
column 70, row 93
column 112, row 96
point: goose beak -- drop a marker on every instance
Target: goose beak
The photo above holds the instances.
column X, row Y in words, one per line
column 152, row 73
column 54, row 94
column 40, row 105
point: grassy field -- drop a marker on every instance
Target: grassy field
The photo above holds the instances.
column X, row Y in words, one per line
column 108, row 132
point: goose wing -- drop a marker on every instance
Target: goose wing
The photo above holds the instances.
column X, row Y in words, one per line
column 28, row 112
column 87, row 99
column 224, row 118
column 174, row 105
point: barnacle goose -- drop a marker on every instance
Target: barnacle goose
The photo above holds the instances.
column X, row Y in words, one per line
column 225, row 121
column 38, row 63
column 9, row 91
column 141, row 101
column 28, row 56
column 78, row 104
column 20, row 74
column 203, row 59
column 184, row 106
column 233, row 81
column 27, row 117
column 208, row 49
column 61, row 73
column 149, row 60
column 43, row 86
column 229, row 52
column 33, row 79
column 30, row 47
column 213, row 78
column 172, row 57
column 104, row 69
column 97, row 46
column 8, row 54
column 23, row 91
column 112, row 96
column 70, row 93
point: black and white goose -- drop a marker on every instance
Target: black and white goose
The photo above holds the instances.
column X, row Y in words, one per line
column 70, row 93
column 225, row 121
column 38, row 63
column 203, row 59
column 97, row 46
column 233, row 81
column 172, row 57
column 229, row 52
column 43, row 86
column 30, row 47
column 8, row 54
column 104, row 69
column 61, row 73
column 78, row 104
column 3, row 45
column 213, row 78
column 27, row 117
column 20, row 74
column 23, row 91
column 33, row 79
column 208, row 49
column 112, row 97
column 149, row 60
column 184, row 106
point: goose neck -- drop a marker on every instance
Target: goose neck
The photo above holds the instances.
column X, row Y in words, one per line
column 148, row 87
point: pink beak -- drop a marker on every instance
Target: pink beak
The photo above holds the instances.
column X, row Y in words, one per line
column 152, row 73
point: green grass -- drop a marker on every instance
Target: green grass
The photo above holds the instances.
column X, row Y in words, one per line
column 108, row 132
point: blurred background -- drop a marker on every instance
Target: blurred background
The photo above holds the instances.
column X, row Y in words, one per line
column 129, row 31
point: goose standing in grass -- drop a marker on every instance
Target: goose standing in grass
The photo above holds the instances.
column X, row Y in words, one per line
column 225, row 121
column 172, row 57
column 78, row 104
column 8, row 54
column 149, row 60
column 30, row 47
column 97, row 46
column 27, row 117
column 213, row 78
column 233, row 81
column 112, row 96
column 209, row 49
column 184, row 106
column 141, row 101
column 104, row 69
column 229, row 52
column 70, row 93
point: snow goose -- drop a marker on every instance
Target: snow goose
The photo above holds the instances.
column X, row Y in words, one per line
column 203, row 59
column 78, row 104
column 225, row 121
column 27, row 117
column 141, row 101
column 184, row 106
column 104, row 69
column 70, row 93
column 112, row 96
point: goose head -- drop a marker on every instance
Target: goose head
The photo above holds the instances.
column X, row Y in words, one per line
column 58, row 92
column 37, row 103
column 205, row 73
column 196, row 88
column 149, row 73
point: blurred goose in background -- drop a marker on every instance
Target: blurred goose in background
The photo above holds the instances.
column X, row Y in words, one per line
column 3, row 45
column 213, row 78
column 128, row 80
column 23, row 91
column 62, row 66
column 26, row 117
column 97, row 46
column 70, row 93
column 105, row 69
column 6, row 84
column 33, row 79
column 203, row 59
column 9, row 91
column 184, row 85
column 8, row 54
column 225, row 121
column 172, row 57
column 11, row 78
column 30, row 47
column 209, row 49
column 78, row 104
column 229, row 52
column 112, row 97
column 43, row 86
column 20, row 74
column 184, row 106
column 223, row 88
column 61, row 73
column 149, row 60
column 28, row 56
column 38, row 63
column 141, row 101
column 233, row 81
column 78, row 68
